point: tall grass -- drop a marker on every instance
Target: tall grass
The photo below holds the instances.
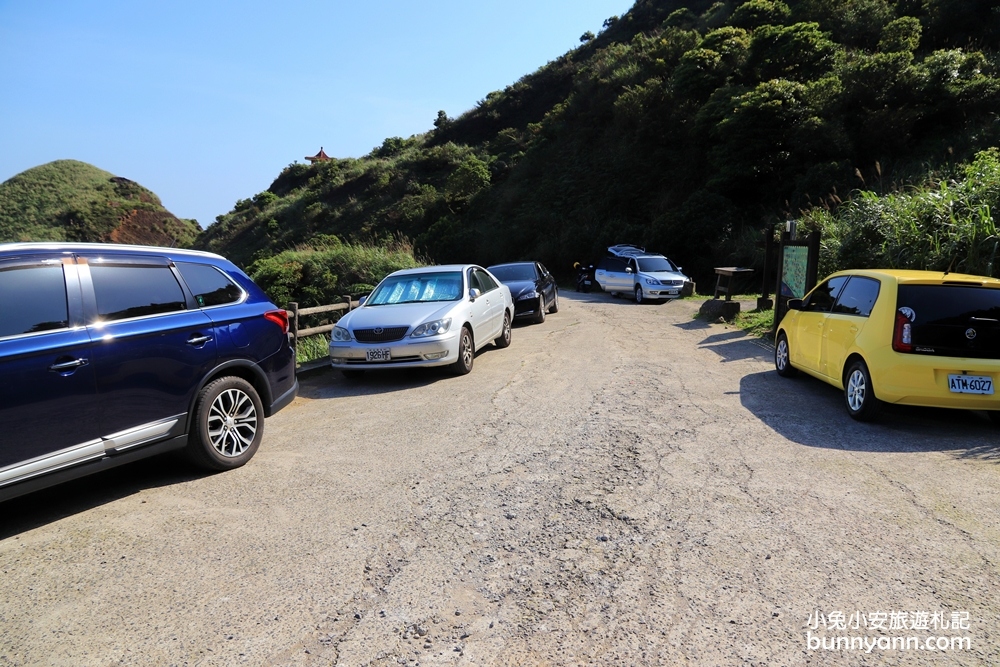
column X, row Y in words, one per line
column 939, row 225
column 312, row 348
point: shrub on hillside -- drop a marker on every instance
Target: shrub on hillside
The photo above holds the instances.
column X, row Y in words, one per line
column 935, row 226
column 327, row 269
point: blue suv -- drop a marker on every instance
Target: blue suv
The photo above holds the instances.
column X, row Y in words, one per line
column 111, row 353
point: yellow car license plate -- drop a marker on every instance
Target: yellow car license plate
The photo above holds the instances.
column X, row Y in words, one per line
column 970, row 384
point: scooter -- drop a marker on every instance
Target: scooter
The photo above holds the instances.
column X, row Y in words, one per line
column 584, row 276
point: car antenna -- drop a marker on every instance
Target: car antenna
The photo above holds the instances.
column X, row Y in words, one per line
column 948, row 270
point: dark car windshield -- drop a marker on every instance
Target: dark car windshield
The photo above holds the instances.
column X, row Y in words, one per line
column 418, row 288
column 654, row 264
column 508, row 273
column 953, row 320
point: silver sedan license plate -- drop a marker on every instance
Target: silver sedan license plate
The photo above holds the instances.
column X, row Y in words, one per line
column 378, row 354
column 970, row 384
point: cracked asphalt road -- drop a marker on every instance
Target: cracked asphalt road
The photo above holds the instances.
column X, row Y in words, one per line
column 623, row 485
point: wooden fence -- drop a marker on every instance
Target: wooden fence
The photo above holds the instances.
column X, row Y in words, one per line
column 294, row 313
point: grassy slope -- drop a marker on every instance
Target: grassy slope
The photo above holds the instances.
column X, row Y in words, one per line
column 68, row 200
column 685, row 126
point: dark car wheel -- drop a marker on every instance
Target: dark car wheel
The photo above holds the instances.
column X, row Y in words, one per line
column 859, row 394
column 228, row 424
column 504, row 339
column 782, row 357
column 466, row 353
column 540, row 311
column 554, row 308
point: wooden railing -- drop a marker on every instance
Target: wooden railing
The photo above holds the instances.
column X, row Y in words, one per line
column 294, row 313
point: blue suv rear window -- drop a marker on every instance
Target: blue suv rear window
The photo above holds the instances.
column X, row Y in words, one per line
column 209, row 285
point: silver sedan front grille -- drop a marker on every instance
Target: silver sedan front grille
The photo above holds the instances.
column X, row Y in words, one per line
column 380, row 334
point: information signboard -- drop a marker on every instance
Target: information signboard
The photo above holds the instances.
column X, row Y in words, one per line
column 794, row 271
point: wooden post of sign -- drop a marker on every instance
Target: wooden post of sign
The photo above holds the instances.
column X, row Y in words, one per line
column 765, row 302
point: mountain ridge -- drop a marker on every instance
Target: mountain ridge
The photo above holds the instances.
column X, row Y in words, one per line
column 687, row 127
column 70, row 200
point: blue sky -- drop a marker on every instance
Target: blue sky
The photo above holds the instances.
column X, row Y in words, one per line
column 205, row 102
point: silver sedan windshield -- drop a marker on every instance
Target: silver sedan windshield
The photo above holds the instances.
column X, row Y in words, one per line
column 418, row 288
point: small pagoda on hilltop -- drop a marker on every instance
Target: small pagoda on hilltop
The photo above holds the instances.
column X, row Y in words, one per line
column 319, row 157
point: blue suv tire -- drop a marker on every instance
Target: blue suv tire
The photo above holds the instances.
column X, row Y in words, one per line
column 228, row 425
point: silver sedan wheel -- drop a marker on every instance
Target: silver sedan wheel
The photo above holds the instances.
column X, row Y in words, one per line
column 856, row 389
column 232, row 423
column 466, row 353
column 467, row 350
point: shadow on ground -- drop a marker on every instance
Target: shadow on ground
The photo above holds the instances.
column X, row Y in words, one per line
column 80, row 495
column 325, row 382
column 731, row 344
column 812, row 413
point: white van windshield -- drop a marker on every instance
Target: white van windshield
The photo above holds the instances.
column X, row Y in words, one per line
column 655, row 264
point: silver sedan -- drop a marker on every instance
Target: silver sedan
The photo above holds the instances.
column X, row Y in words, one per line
column 432, row 316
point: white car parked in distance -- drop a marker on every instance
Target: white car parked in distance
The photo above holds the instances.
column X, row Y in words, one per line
column 431, row 316
column 648, row 276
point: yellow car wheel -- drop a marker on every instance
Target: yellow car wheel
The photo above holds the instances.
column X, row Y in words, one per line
column 782, row 362
column 859, row 394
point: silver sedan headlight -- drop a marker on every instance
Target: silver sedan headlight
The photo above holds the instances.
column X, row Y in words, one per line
column 340, row 335
column 652, row 281
column 432, row 328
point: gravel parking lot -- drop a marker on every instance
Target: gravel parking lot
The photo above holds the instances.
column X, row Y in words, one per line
column 623, row 485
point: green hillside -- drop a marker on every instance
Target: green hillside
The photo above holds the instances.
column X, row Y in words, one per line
column 67, row 200
column 688, row 127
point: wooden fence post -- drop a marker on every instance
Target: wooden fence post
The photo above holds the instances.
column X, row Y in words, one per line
column 347, row 299
column 293, row 308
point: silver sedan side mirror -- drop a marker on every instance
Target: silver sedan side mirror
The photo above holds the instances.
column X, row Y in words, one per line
column 473, row 294
column 362, row 300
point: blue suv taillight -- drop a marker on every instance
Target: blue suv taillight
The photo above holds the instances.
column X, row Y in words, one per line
column 279, row 317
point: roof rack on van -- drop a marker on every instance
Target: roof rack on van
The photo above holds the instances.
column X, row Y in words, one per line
column 626, row 250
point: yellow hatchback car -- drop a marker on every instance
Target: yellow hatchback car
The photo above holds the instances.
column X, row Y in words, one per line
column 894, row 336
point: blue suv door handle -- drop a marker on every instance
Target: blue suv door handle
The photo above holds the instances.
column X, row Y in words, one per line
column 70, row 365
column 197, row 340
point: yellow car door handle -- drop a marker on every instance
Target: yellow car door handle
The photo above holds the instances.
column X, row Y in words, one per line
column 854, row 330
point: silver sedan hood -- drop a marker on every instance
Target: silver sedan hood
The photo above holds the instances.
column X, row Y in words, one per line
column 396, row 315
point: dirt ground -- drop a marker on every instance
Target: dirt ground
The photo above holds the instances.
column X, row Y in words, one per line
column 624, row 485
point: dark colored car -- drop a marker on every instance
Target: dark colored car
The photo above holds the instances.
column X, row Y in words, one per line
column 111, row 353
column 532, row 287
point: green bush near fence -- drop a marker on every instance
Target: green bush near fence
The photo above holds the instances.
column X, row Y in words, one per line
column 325, row 270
